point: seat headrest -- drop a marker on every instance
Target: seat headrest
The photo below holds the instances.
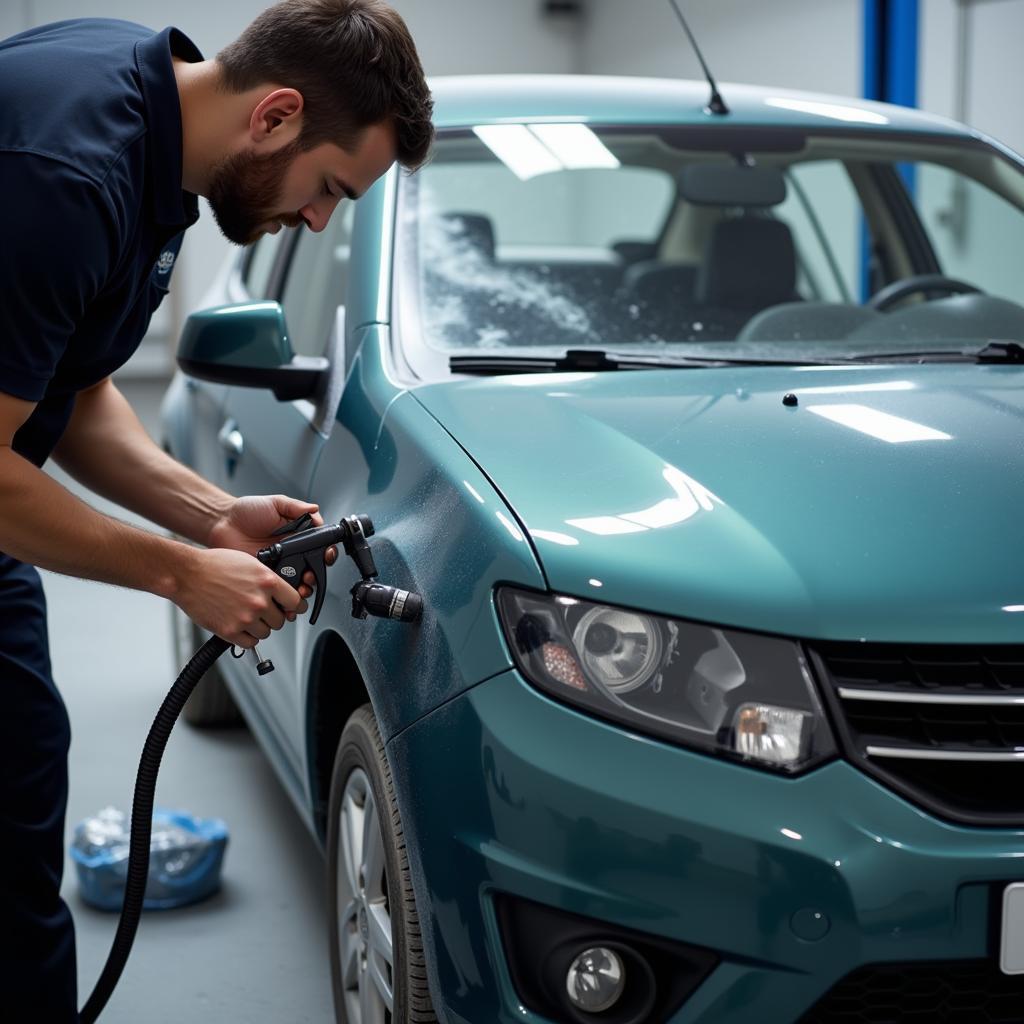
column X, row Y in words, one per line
column 472, row 229
column 749, row 263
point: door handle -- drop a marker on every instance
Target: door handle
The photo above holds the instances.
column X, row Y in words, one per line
column 231, row 440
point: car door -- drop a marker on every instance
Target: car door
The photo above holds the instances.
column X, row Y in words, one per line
column 271, row 446
column 250, row 275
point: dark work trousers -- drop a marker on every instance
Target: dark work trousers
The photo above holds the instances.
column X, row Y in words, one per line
column 37, row 938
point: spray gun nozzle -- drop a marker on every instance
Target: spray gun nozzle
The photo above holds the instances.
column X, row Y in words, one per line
column 300, row 550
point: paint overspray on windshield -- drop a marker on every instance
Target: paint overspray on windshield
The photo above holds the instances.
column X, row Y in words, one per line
column 468, row 300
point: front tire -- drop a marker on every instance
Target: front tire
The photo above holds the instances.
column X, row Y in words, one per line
column 378, row 971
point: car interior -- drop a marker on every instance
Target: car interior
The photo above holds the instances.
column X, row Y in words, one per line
column 830, row 239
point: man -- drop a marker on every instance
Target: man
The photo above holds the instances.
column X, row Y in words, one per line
column 109, row 134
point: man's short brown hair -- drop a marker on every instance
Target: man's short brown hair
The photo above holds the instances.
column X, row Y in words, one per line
column 354, row 62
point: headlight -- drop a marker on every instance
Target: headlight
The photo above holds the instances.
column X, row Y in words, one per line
column 741, row 695
column 620, row 649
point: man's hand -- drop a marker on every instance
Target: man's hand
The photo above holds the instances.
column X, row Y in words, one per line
column 234, row 596
column 249, row 523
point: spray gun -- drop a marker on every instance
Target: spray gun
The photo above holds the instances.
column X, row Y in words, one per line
column 302, row 547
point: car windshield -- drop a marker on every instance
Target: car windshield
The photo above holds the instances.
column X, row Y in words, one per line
column 721, row 242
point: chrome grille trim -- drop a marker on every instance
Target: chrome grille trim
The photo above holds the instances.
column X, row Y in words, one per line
column 905, row 697
column 921, row 754
column 940, row 724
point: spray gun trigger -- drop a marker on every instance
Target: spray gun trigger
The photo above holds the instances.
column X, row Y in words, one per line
column 293, row 569
column 319, row 568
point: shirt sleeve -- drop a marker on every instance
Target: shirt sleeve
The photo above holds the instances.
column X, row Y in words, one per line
column 56, row 249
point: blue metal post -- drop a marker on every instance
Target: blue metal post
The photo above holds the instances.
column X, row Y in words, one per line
column 890, row 74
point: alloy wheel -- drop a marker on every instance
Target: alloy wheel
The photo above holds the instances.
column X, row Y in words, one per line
column 363, row 916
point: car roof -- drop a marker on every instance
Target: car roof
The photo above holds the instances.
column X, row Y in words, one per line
column 464, row 100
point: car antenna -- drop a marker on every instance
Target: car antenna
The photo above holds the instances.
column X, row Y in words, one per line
column 716, row 105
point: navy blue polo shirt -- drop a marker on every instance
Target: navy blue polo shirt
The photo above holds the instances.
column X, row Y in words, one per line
column 90, row 174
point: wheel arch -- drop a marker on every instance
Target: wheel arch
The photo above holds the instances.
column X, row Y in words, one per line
column 336, row 689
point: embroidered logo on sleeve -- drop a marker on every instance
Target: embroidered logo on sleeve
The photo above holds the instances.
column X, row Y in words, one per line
column 166, row 261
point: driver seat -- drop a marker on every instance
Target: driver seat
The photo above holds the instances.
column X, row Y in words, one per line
column 749, row 265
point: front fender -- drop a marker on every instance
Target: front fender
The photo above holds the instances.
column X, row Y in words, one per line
column 441, row 531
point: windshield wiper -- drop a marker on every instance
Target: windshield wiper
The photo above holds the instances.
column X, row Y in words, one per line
column 597, row 360
column 993, row 352
column 1001, row 352
column 594, row 360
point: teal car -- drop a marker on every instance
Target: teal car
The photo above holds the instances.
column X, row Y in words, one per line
column 701, row 437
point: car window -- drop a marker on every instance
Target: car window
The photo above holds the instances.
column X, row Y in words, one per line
column 557, row 216
column 260, row 265
column 653, row 238
column 976, row 234
column 317, row 281
column 823, row 214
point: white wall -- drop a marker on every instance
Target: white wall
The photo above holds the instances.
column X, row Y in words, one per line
column 974, row 45
column 797, row 44
column 971, row 70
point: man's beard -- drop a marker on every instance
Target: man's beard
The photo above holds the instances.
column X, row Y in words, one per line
column 245, row 190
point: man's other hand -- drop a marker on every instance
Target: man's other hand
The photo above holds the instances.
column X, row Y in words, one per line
column 249, row 524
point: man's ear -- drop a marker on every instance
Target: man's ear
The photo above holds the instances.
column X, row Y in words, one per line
column 277, row 117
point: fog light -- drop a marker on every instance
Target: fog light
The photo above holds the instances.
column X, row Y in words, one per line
column 596, row 979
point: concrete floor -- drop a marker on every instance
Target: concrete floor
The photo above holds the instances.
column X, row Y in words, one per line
column 257, row 951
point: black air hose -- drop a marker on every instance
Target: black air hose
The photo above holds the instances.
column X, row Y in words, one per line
column 142, row 822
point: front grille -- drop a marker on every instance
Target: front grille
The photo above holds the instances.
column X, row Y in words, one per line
column 943, row 725
column 964, row 992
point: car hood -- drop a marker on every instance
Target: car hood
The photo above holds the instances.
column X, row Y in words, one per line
column 886, row 505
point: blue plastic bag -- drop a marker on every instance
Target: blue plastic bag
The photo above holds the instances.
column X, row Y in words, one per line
column 185, row 858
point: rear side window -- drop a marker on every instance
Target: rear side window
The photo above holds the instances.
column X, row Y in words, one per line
column 317, row 282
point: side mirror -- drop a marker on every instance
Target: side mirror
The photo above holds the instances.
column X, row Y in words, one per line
column 248, row 345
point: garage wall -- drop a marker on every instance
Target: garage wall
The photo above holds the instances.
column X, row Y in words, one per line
column 797, row 44
column 970, row 64
column 970, row 69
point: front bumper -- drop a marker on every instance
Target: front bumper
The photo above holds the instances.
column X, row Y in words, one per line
column 793, row 882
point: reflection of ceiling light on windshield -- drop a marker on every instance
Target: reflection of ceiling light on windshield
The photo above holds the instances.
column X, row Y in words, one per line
column 575, row 145
column 834, row 110
column 542, row 148
column 518, row 149
column 893, row 429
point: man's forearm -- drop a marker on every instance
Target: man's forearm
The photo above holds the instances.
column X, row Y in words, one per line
column 107, row 449
column 41, row 522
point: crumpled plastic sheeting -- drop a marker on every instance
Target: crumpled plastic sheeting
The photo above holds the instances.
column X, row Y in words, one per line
column 185, row 858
